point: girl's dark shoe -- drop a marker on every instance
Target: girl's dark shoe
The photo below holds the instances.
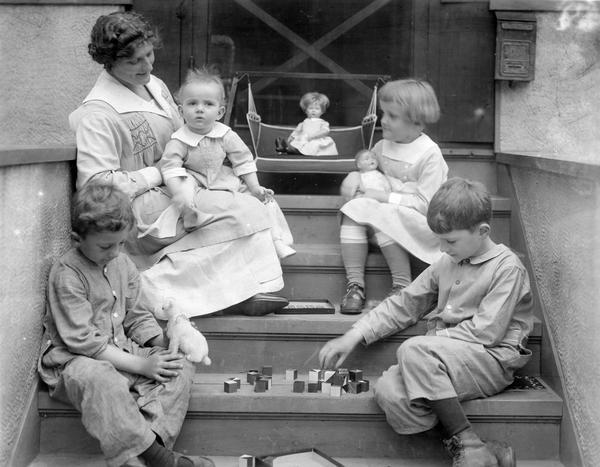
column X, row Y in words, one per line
column 354, row 300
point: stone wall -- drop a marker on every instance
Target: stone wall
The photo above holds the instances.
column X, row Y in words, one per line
column 46, row 73
column 557, row 116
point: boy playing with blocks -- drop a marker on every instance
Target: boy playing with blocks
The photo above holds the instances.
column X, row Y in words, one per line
column 478, row 305
column 103, row 351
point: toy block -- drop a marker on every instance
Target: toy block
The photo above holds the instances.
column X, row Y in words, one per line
column 335, row 391
column 299, row 386
column 314, row 376
column 327, row 374
column 267, row 379
column 364, row 385
column 247, row 460
column 343, row 372
column 326, row 388
column 353, row 387
column 230, row 386
column 320, row 384
column 237, row 380
column 267, row 370
column 291, row 374
column 313, row 387
column 355, row 375
column 337, row 379
column 260, row 385
column 251, row 376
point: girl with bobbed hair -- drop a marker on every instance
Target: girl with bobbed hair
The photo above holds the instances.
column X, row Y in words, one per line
column 122, row 128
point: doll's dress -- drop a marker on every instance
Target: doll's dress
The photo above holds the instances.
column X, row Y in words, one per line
column 324, row 146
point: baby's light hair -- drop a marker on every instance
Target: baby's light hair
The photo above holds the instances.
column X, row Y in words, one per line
column 99, row 206
column 417, row 98
column 459, row 204
column 317, row 97
column 201, row 75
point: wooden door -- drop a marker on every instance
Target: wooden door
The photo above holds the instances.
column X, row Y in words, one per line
column 449, row 43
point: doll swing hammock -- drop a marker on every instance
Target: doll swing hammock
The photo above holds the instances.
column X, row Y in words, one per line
column 349, row 140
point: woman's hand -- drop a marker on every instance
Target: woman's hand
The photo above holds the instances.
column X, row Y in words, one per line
column 335, row 352
column 162, row 366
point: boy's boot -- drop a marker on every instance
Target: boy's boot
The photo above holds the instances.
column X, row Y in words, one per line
column 354, row 300
column 505, row 454
column 467, row 450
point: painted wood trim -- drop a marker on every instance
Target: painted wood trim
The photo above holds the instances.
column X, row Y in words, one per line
column 561, row 167
column 23, row 155
column 532, row 5
column 66, row 2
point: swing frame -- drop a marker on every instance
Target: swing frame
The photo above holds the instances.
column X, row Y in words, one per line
column 349, row 140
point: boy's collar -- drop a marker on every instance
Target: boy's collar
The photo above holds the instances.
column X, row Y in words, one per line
column 119, row 97
column 187, row 136
column 496, row 250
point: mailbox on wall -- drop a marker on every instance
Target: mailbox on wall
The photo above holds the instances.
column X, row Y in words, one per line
column 515, row 46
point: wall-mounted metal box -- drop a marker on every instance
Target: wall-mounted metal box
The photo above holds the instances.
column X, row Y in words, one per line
column 515, row 46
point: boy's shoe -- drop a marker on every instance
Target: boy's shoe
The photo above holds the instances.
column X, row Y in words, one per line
column 467, row 450
column 354, row 300
column 505, row 454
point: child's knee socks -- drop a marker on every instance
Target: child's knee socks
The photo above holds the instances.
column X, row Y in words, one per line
column 353, row 239
column 397, row 259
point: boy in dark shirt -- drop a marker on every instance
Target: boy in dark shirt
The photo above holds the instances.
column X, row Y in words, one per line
column 103, row 351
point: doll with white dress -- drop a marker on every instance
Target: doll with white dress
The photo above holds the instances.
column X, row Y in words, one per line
column 366, row 177
column 311, row 136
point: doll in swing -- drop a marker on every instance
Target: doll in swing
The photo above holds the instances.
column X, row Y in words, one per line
column 311, row 136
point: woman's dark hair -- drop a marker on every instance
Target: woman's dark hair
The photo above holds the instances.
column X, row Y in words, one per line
column 118, row 35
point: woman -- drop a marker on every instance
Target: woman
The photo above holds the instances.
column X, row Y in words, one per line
column 121, row 130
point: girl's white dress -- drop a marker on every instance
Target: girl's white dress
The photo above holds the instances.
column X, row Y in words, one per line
column 324, row 146
column 416, row 170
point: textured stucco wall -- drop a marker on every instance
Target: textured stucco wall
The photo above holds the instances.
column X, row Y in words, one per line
column 46, row 72
column 556, row 115
column 34, row 219
column 561, row 219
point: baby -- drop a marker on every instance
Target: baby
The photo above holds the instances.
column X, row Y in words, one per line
column 367, row 176
column 311, row 136
column 208, row 155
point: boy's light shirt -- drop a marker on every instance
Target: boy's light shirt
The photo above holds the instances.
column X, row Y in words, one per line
column 485, row 300
column 90, row 307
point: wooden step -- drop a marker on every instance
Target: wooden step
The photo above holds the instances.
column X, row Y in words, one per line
column 287, row 175
column 352, row 425
column 316, row 219
column 239, row 343
column 96, row 460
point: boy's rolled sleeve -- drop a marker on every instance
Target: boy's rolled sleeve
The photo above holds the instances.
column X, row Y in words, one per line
column 489, row 325
column 73, row 314
column 401, row 311
column 238, row 154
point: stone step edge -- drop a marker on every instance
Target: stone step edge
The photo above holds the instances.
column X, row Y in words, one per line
column 528, row 406
column 330, row 204
column 318, row 327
